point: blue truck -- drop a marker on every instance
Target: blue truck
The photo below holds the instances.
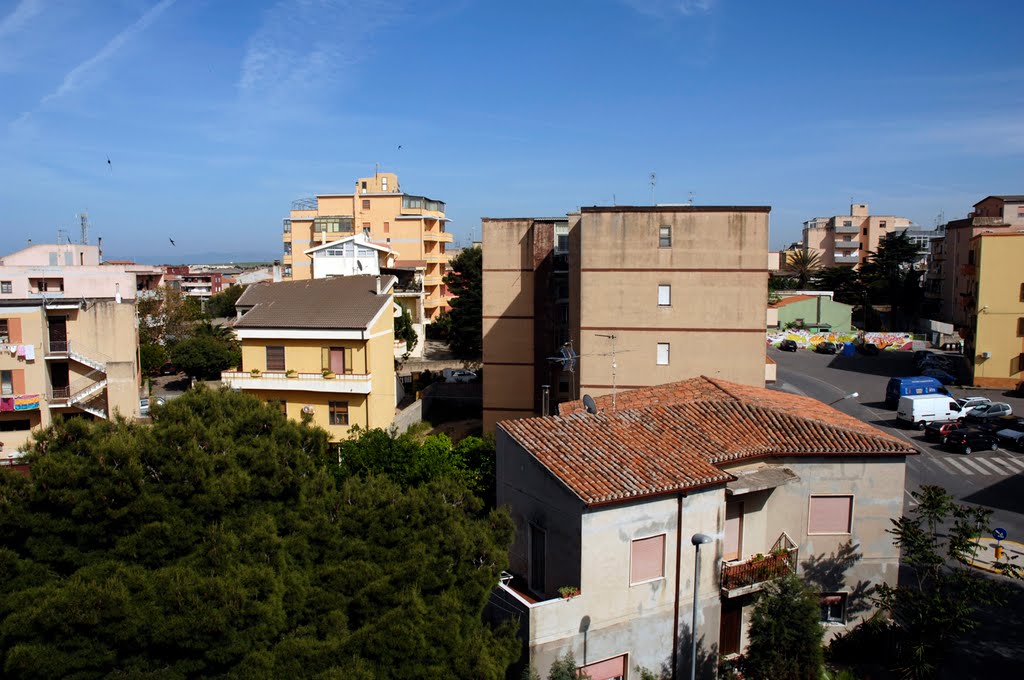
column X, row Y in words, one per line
column 909, row 386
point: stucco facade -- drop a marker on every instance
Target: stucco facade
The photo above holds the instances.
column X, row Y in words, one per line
column 845, row 240
column 813, row 312
column 996, row 343
column 662, row 292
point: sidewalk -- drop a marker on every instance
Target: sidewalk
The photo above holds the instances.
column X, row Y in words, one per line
column 985, row 557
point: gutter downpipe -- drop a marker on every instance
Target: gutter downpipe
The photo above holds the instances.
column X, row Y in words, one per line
column 675, row 608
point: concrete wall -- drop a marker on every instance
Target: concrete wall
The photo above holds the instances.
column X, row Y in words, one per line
column 1000, row 305
column 818, row 311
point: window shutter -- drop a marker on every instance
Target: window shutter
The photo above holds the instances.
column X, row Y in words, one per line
column 14, row 329
column 325, row 358
column 348, row 360
column 18, row 380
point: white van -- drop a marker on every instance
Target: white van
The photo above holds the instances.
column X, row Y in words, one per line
column 920, row 409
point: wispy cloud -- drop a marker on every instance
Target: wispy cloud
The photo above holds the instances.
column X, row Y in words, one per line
column 671, row 8
column 20, row 16
column 76, row 76
column 308, row 45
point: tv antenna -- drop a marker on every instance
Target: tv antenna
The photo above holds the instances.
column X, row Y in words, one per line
column 567, row 358
column 654, row 181
column 83, row 220
column 615, row 365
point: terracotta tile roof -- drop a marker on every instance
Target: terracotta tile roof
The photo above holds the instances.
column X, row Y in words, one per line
column 672, row 437
column 339, row 302
column 791, row 299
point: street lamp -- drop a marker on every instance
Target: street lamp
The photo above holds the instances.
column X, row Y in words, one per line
column 698, row 540
column 851, row 395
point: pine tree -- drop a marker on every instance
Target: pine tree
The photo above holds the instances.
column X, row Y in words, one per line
column 785, row 633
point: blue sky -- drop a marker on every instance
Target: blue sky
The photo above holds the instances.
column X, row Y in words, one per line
column 215, row 115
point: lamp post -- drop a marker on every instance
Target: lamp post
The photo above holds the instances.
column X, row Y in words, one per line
column 851, row 395
column 698, row 540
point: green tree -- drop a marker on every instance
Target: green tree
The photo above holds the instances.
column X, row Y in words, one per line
column 203, row 357
column 440, row 328
column 404, row 330
column 465, row 282
column 802, row 264
column 152, row 357
column 166, row 317
column 891, row 279
column 785, row 633
column 937, row 604
column 223, row 303
column 215, row 542
column 565, row 668
column 843, row 281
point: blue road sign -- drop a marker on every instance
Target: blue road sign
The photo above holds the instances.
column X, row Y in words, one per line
column 999, row 533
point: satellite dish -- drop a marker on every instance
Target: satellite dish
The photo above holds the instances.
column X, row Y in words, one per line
column 589, row 403
column 308, row 410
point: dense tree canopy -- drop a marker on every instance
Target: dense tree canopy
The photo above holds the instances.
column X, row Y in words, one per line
column 223, row 303
column 785, row 636
column 465, row 281
column 219, row 542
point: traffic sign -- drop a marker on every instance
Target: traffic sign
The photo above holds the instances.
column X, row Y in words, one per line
column 999, row 533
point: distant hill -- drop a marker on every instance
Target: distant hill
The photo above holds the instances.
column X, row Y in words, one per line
column 174, row 256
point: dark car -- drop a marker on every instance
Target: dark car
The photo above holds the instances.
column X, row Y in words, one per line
column 971, row 440
column 1012, row 437
column 938, row 431
column 826, row 348
column 788, row 345
column 868, row 349
column 942, row 376
column 168, row 369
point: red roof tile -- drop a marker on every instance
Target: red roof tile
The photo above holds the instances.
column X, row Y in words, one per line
column 671, row 438
column 791, row 299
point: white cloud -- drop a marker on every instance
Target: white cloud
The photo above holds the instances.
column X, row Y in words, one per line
column 671, row 8
column 20, row 16
column 74, row 78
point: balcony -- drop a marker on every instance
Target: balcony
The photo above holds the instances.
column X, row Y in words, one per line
column 751, row 575
column 350, row 383
column 436, row 258
column 847, row 230
column 433, row 280
column 438, row 236
column 846, row 259
column 854, row 244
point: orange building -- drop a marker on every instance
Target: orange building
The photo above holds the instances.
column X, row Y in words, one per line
column 412, row 226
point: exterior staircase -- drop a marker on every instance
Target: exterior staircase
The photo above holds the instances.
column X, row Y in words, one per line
column 84, row 395
column 94, row 364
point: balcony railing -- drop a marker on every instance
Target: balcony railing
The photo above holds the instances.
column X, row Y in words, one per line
column 58, row 346
column 848, row 244
column 739, row 578
column 846, row 259
column 840, row 229
column 60, row 393
column 347, row 383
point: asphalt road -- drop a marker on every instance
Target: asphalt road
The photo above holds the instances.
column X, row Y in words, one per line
column 993, row 479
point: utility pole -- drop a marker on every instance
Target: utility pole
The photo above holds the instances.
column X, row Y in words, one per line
column 611, row 337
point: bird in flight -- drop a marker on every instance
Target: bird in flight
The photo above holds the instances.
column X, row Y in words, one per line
column 172, row 241
column 399, row 147
column 109, row 164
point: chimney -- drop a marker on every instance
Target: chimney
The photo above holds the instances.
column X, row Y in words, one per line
column 277, row 271
column 545, row 399
column 378, row 284
column 99, row 245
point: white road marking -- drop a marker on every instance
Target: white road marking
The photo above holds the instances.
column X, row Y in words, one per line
column 988, row 463
column 1014, row 461
column 974, row 465
column 959, row 467
column 942, row 466
column 1006, row 464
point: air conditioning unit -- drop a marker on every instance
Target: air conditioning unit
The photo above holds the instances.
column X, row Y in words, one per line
column 986, row 355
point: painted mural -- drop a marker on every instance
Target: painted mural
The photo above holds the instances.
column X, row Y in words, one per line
column 809, row 340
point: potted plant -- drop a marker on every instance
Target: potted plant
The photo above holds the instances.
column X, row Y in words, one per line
column 328, row 374
column 291, row 373
column 568, row 592
column 255, row 372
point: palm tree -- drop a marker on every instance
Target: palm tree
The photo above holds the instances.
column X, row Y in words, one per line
column 803, row 264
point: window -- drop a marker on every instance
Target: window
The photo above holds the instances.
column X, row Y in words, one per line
column 275, row 357
column 5, row 331
column 337, row 360
column 882, row 224
column 647, row 559
column 665, row 236
column 366, row 229
column 833, row 608
column 6, row 382
column 1020, row 327
column 865, row 231
column 5, row 288
column 563, row 385
column 1020, row 211
column 53, row 259
column 287, row 248
column 364, row 186
column 830, row 515
column 662, row 354
column 366, row 204
column 609, row 669
column 15, row 425
column 561, row 239
column 384, row 183
column 664, row 295
column 287, row 271
column 1021, row 290
column 338, row 412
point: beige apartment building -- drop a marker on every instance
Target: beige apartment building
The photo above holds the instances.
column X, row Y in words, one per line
column 320, row 347
column 412, row 226
column 616, row 298
column 847, row 239
column 68, row 338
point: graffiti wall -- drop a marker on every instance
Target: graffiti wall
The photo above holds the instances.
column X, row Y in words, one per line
column 808, row 340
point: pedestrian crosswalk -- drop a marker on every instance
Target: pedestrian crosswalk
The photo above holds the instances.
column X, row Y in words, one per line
column 980, row 465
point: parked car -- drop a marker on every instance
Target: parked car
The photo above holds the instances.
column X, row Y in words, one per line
column 168, row 369
column 910, row 386
column 868, row 349
column 939, row 431
column 985, row 412
column 461, row 376
column 1012, row 437
column 920, row 354
column 968, row 404
column 826, row 348
column 971, row 440
column 942, row 376
column 788, row 346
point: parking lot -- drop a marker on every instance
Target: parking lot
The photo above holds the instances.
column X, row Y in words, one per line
column 991, row 479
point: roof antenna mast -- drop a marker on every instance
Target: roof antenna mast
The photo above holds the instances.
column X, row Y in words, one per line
column 654, row 181
column 615, row 365
column 83, row 219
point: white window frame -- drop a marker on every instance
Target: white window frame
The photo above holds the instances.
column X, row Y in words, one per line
column 668, row 354
column 665, row 239
column 664, row 295
column 845, row 598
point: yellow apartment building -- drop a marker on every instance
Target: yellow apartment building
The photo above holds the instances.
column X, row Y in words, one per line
column 996, row 284
column 320, row 347
column 68, row 338
column 412, row 226
column 847, row 239
column 636, row 296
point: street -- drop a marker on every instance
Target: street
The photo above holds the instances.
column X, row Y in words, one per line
column 992, row 479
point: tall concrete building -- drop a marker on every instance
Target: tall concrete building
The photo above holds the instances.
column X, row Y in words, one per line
column 412, row 226
column 615, row 298
column 68, row 338
column 847, row 239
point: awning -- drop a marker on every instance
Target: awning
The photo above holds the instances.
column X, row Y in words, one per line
column 759, row 479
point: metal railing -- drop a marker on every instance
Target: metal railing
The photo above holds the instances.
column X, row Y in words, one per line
column 781, row 560
column 60, row 393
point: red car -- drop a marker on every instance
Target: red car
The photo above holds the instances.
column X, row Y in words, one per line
column 938, row 432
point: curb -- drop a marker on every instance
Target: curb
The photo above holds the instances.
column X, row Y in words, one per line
column 986, row 556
